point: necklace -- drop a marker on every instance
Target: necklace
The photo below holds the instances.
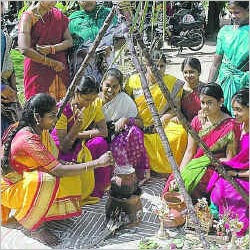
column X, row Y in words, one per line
column 38, row 14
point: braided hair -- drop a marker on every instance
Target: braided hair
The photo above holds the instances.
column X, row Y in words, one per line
column 38, row 104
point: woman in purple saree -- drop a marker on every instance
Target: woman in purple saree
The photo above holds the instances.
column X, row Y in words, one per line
column 125, row 137
column 223, row 193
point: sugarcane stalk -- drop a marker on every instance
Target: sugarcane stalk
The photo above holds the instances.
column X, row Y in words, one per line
column 86, row 60
column 214, row 162
column 164, row 139
column 164, row 19
column 143, row 16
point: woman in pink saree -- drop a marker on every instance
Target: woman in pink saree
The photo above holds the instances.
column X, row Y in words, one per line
column 223, row 193
column 220, row 133
column 43, row 39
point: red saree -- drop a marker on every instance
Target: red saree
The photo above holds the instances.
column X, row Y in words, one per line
column 40, row 78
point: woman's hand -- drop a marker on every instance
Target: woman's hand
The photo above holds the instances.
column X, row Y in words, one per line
column 173, row 186
column 106, row 159
column 78, row 118
column 8, row 95
column 43, row 49
column 120, row 124
column 56, row 65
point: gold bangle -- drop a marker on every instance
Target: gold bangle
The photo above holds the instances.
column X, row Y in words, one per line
column 90, row 136
column 45, row 59
column 52, row 49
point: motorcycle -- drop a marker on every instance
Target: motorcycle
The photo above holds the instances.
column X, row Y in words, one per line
column 10, row 26
column 186, row 28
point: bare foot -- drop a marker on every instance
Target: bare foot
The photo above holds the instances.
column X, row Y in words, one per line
column 45, row 236
column 12, row 223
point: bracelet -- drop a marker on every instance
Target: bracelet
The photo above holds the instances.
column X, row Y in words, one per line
column 45, row 59
column 52, row 49
column 90, row 136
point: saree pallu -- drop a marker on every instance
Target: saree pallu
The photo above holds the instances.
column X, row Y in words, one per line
column 196, row 174
column 39, row 78
column 128, row 148
column 225, row 196
column 232, row 44
column 176, row 134
column 35, row 194
column 95, row 181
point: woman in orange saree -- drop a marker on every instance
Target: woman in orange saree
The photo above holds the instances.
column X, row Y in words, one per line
column 35, row 184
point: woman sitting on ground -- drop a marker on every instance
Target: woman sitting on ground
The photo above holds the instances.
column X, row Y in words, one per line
column 175, row 132
column 219, row 131
column 34, row 183
column 79, row 140
column 126, row 139
column 190, row 100
column 223, row 194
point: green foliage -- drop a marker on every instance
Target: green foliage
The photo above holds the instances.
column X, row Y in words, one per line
column 148, row 244
column 17, row 59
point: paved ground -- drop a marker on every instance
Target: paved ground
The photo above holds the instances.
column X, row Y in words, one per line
column 15, row 239
column 205, row 55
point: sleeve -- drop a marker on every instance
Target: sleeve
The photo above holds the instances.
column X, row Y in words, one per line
column 219, row 44
column 98, row 110
column 62, row 122
column 35, row 155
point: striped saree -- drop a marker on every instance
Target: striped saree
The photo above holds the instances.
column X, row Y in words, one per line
column 35, row 194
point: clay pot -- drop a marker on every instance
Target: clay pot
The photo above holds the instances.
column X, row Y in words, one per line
column 124, row 182
column 177, row 208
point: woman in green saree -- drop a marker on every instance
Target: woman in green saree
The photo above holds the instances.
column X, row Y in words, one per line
column 231, row 61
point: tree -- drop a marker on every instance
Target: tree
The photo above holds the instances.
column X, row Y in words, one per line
column 214, row 10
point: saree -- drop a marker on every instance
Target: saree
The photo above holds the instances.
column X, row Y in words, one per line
column 97, row 180
column 225, row 196
column 127, row 146
column 39, row 78
column 190, row 103
column 84, row 26
column 196, row 174
column 36, row 195
column 175, row 133
column 232, row 44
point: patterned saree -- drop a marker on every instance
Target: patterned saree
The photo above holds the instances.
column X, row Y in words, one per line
column 30, row 189
column 196, row 174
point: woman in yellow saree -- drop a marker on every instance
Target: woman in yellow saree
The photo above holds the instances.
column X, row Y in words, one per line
column 34, row 183
column 175, row 132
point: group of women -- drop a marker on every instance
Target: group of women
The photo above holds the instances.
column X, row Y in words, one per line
column 51, row 168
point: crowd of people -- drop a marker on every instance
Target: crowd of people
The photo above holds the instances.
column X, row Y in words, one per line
column 52, row 167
